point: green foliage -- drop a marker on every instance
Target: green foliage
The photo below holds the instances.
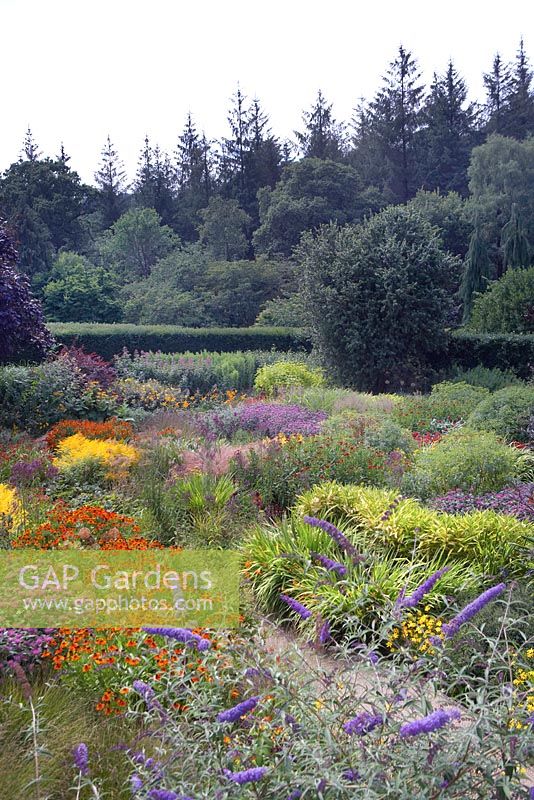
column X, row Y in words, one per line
column 223, row 229
column 455, row 400
column 379, row 296
column 507, row 306
column 506, row 413
column 310, row 193
column 490, row 378
column 448, row 213
column 379, row 521
column 271, row 378
column 505, row 351
column 473, row 461
column 388, row 436
column 78, row 291
column 136, row 241
column 287, row 311
column 109, row 340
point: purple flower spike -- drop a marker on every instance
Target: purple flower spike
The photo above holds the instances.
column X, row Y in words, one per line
column 80, row 756
column 335, row 534
column 330, row 564
column 324, row 635
column 452, row 628
column 363, row 723
column 181, row 635
column 415, row 598
column 297, row 607
column 432, row 722
column 136, row 783
column 236, row 712
column 246, row 775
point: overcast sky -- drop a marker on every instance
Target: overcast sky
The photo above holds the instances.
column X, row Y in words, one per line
column 75, row 70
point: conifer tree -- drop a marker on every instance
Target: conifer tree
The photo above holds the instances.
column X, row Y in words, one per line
column 110, row 179
column 30, row 150
column 322, row 136
column 477, row 269
column 498, row 87
column 519, row 120
column 515, row 244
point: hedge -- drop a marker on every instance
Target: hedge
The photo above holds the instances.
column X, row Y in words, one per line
column 505, row 351
column 110, row 339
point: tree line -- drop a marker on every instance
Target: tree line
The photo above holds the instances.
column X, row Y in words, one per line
column 225, row 213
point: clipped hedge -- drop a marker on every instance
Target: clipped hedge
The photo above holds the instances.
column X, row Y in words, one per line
column 109, row 340
column 505, row 351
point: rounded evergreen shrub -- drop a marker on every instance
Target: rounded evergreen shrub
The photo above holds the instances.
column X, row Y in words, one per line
column 455, row 400
column 491, row 378
column 507, row 306
column 475, row 461
column 272, row 377
column 505, row 413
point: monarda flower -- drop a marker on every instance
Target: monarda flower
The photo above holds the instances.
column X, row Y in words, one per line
column 415, row 598
column 330, row 564
column 181, row 635
column 236, row 712
column 432, row 722
column 335, row 534
column 80, row 756
column 363, row 723
column 297, row 607
column 246, row 775
column 452, row 628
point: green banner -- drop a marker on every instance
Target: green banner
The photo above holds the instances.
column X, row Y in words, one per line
column 50, row 589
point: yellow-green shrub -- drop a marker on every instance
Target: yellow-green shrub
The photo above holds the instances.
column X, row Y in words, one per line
column 272, row 377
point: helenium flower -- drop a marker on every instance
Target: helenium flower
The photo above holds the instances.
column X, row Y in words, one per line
column 432, row 722
column 452, row 628
column 246, row 775
column 236, row 712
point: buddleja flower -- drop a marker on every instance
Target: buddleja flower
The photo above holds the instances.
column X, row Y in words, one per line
column 80, row 755
column 334, row 533
column 324, row 634
column 181, row 635
column 330, row 564
column 247, row 775
column 148, row 694
column 363, row 723
column 136, row 783
column 432, row 722
column 301, row 610
column 236, row 712
column 452, row 628
column 415, row 598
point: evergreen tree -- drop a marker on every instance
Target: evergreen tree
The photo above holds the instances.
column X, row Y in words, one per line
column 63, row 156
column 111, row 181
column 30, row 150
column 322, row 136
column 385, row 141
column 515, row 244
column 164, row 185
column 477, row 269
column 144, row 184
column 194, row 178
column 448, row 135
column 498, row 87
column 519, row 118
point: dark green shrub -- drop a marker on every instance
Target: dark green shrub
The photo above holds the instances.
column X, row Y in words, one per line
column 505, row 413
column 505, row 351
column 455, row 400
column 507, row 306
column 110, row 340
column 491, row 378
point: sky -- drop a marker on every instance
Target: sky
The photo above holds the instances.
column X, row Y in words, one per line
column 76, row 70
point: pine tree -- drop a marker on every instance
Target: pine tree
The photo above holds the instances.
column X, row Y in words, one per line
column 515, row 244
column 498, row 88
column 519, row 117
column 322, row 136
column 111, row 181
column 144, row 185
column 477, row 269
column 30, row 150
column 448, row 135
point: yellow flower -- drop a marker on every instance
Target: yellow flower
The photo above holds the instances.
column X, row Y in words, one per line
column 11, row 512
column 110, row 452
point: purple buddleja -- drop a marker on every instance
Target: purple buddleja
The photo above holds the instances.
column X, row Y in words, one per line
column 181, row 635
column 136, row 784
column 295, row 795
column 451, row 628
column 80, row 756
column 330, row 564
column 415, row 598
column 335, row 534
column 352, row 775
column 166, row 794
column 432, row 722
column 247, row 775
column 149, row 695
column 363, row 723
column 236, row 712
column 297, row 607
column 324, row 635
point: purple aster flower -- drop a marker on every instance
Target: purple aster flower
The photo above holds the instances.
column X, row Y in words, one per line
column 246, row 775
column 236, row 712
column 338, row 537
column 181, row 635
column 299, row 609
column 438, row 719
column 415, row 598
column 330, row 564
column 452, row 628
column 80, row 756
column 363, row 723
